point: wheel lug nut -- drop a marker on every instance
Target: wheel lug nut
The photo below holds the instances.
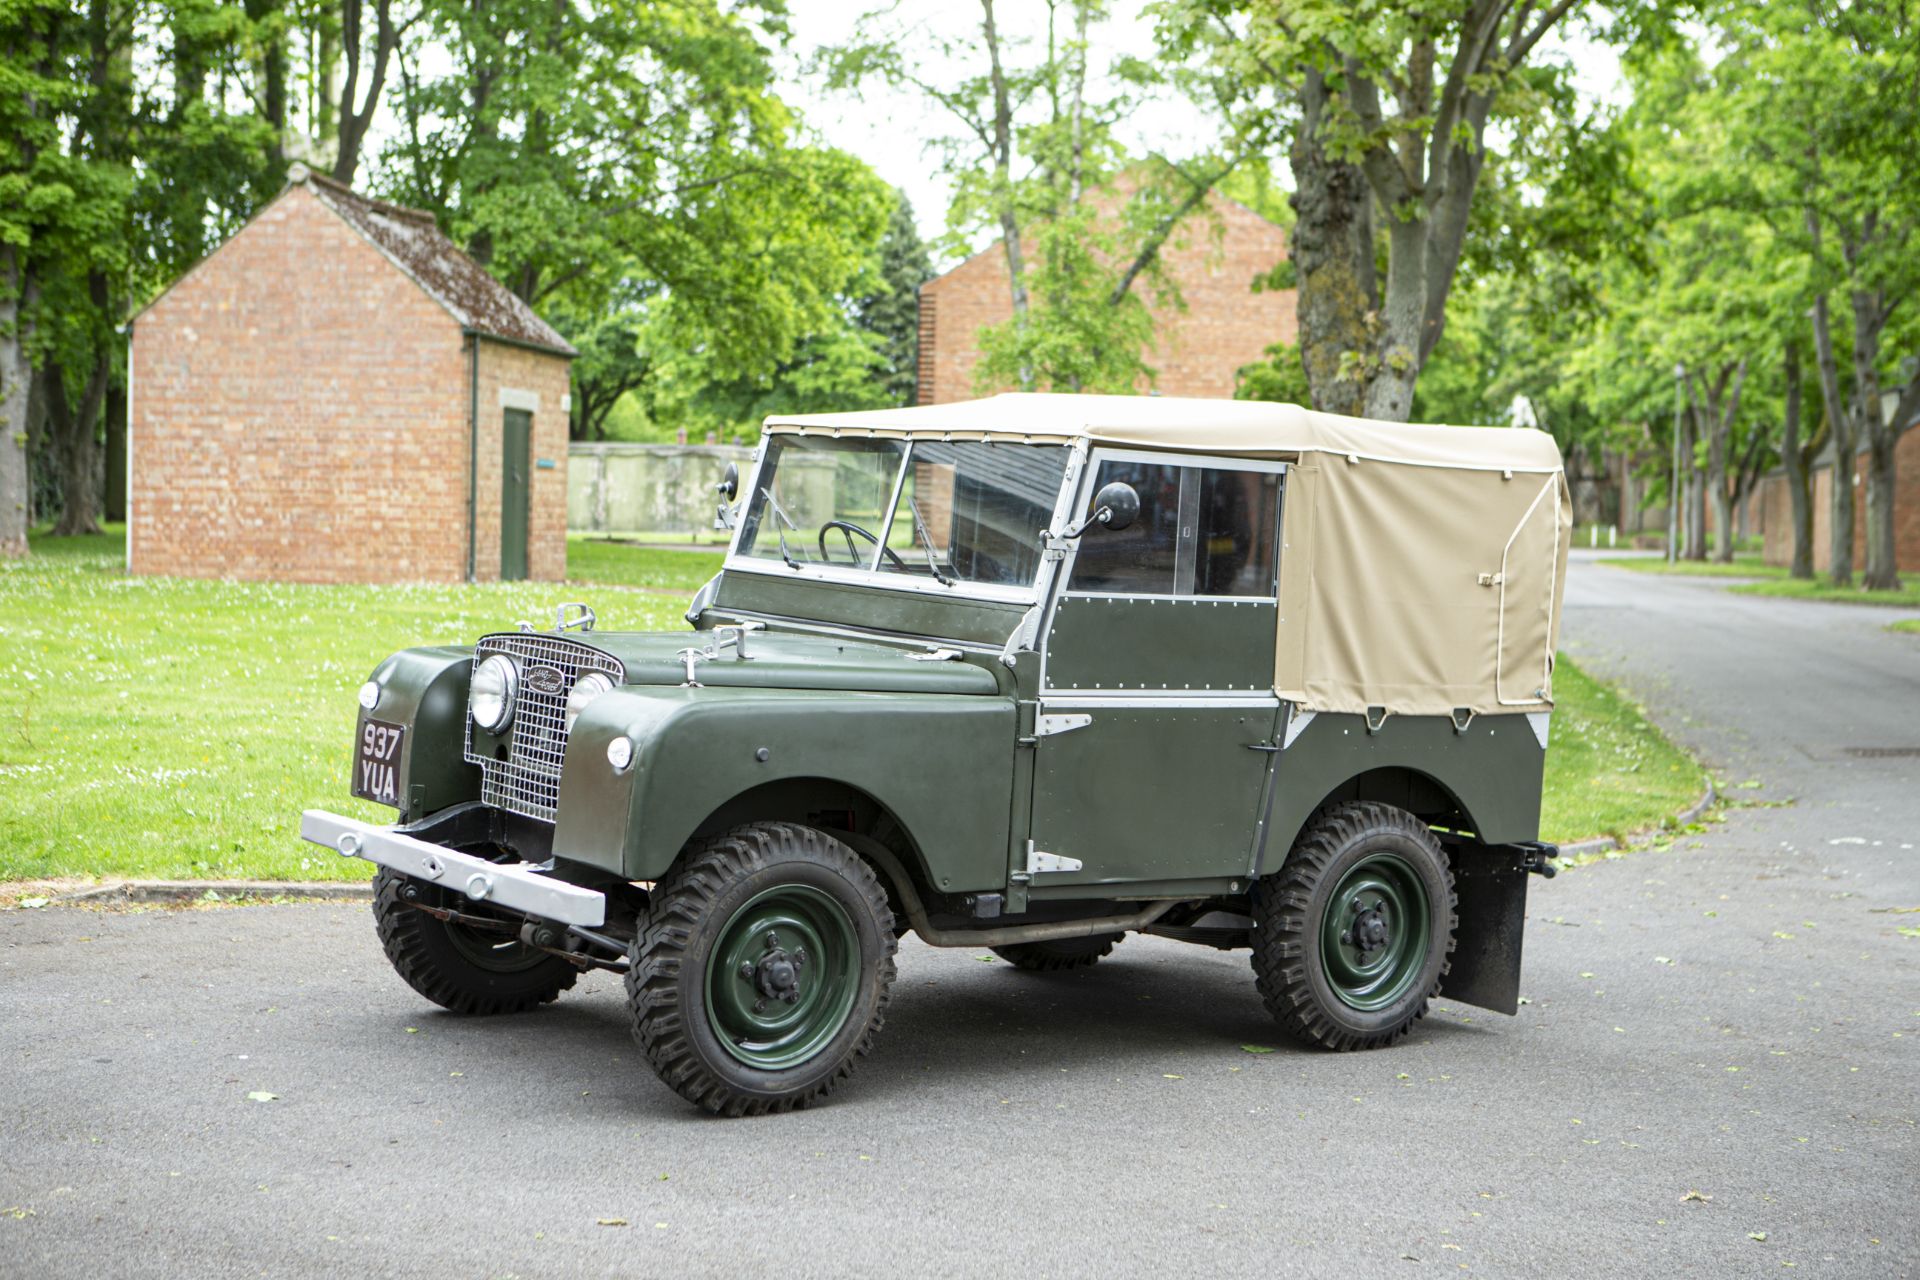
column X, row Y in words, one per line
column 746, row 971
column 1346, row 939
column 1355, row 904
column 773, row 939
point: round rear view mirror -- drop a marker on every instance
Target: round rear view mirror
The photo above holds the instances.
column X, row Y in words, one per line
column 1116, row 505
column 729, row 482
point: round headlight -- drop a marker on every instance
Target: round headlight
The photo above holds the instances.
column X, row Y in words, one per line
column 585, row 690
column 495, row 682
column 370, row 695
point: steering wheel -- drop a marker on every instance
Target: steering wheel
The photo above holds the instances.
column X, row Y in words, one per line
column 847, row 529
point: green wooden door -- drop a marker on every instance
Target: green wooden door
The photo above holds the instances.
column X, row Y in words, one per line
column 516, row 461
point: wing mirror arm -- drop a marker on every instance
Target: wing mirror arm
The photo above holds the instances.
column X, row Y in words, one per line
column 1116, row 506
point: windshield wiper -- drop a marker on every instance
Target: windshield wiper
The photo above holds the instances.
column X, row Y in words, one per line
column 926, row 544
column 779, row 514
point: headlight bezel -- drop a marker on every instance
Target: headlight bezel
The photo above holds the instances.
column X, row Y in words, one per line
column 501, row 670
column 589, row 686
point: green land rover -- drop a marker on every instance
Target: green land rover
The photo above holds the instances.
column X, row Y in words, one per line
column 1026, row 673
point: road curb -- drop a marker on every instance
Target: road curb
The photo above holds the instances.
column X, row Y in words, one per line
column 1606, row 844
column 177, row 891
column 164, row 891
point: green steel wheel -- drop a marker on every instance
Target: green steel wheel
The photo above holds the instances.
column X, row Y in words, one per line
column 762, row 969
column 1354, row 932
column 460, row 968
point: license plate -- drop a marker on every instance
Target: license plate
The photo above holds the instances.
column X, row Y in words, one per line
column 376, row 770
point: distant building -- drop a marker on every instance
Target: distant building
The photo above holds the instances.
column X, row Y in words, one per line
column 1195, row 352
column 338, row 394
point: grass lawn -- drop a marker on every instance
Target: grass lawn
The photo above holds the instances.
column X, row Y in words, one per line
column 156, row 728
column 1906, row 624
column 1748, row 565
column 1609, row 772
column 630, row 564
column 1774, row 580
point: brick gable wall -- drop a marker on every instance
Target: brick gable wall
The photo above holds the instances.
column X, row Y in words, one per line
column 1213, row 258
column 299, row 412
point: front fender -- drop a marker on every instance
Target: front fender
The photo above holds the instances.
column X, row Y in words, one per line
column 942, row 763
column 425, row 690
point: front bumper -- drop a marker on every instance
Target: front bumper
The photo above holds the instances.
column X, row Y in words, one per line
column 518, row 886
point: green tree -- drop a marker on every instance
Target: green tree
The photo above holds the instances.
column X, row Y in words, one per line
column 891, row 309
column 634, row 155
column 1390, row 109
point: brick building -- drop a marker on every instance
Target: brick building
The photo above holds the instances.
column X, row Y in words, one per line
column 1213, row 257
column 338, row 394
column 1776, row 508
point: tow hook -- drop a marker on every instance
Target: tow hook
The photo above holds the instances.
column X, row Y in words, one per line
column 1536, row 858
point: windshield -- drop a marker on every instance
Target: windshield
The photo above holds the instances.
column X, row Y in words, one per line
column 965, row 512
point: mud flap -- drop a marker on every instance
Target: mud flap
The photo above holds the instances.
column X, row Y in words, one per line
column 1492, row 886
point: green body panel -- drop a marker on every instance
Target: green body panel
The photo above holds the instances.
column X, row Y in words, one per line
column 1149, row 793
column 1107, row 643
column 426, row 691
column 905, row 613
column 790, row 660
column 516, row 457
column 1491, row 773
column 942, row 764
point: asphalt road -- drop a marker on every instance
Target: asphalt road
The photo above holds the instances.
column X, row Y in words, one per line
column 1717, row 1072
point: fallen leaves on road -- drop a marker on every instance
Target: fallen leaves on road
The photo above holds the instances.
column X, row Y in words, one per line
column 261, row 1095
column 1761, row 1236
column 1256, row 1048
column 610, row 1222
column 1698, row 1196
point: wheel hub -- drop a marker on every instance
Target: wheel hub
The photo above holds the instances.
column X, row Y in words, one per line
column 1370, row 931
column 776, row 974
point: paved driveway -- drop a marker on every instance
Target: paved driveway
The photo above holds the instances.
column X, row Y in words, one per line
column 1716, row 1073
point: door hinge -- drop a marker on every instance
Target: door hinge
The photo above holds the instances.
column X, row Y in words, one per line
column 1040, row 862
column 1047, row 726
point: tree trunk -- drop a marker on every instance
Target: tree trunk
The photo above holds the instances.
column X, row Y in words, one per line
column 16, row 384
column 1003, row 165
column 1797, row 458
column 115, row 422
column 76, row 454
column 1332, row 252
column 1840, row 427
column 1869, row 317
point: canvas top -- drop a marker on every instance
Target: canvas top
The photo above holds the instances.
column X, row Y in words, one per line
column 1237, row 427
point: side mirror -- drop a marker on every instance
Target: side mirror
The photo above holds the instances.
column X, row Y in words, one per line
column 1117, row 505
column 729, row 485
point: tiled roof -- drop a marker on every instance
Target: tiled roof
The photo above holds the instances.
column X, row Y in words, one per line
column 411, row 240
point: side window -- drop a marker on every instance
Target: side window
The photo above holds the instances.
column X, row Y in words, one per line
column 1239, row 522
column 1210, row 531
column 1142, row 558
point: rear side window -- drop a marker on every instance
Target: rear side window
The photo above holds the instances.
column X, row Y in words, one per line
column 1206, row 531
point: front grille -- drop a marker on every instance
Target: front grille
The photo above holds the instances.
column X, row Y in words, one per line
column 528, row 780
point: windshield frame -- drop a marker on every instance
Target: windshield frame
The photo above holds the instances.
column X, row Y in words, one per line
column 869, row 575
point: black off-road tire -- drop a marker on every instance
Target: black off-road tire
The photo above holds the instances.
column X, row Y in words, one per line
column 1290, row 914
column 694, row 911
column 1059, row 954
column 442, row 966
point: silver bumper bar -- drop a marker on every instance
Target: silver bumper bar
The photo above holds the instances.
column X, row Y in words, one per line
column 517, row 886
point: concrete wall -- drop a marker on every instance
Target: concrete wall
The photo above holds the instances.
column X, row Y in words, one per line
column 647, row 488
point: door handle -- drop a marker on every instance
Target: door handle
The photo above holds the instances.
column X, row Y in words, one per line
column 1262, row 746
